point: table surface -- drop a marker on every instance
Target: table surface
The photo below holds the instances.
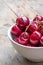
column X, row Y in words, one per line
column 9, row 11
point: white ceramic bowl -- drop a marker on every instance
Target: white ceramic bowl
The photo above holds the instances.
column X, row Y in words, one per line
column 32, row 53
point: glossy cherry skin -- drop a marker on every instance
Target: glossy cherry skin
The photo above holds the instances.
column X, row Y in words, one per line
column 22, row 21
column 41, row 40
column 16, row 30
column 40, row 18
column 32, row 27
column 24, row 38
column 35, row 38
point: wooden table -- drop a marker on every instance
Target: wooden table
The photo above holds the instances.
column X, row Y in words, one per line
column 9, row 10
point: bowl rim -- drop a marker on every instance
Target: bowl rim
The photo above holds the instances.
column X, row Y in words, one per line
column 9, row 35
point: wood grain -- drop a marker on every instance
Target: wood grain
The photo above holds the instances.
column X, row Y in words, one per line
column 9, row 11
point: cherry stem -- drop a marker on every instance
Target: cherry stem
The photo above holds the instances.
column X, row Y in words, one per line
column 38, row 22
column 26, row 28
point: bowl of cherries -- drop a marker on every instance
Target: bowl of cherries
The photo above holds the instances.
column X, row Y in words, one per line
column 27, row 37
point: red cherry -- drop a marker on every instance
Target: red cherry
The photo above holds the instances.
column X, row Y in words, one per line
column 33, row 45
column 16, row 30
column 39, row 29
column 24, row 38
column 16, row 39
column 40, row 18
column 41, row 32
column 35, row 37
column 23, row 29
column 39, row 45
column 32, row 28
column 41, row 22
column 41, row 40
column 22, row 21
column 28, row 44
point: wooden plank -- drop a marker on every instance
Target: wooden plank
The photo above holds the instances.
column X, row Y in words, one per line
column 7, row 18
column 26, row 7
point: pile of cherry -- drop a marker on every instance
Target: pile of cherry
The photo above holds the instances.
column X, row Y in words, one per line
column 28, row 34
